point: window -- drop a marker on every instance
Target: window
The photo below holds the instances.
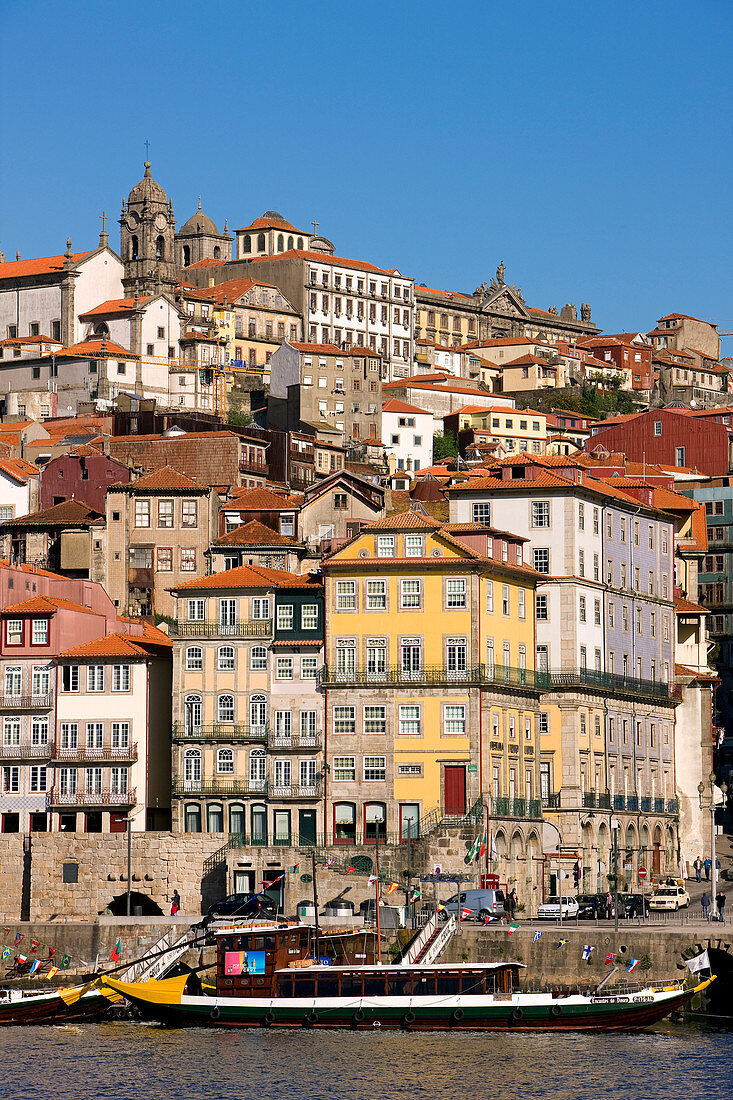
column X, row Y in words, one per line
column 490, row 597
column 120, row 677
column 581, row 608
column 505, row 600
column 309, row 616
column 541, row 558
column 11, row 731
column 258, row 657
column 482, row 513
column 189, row 513
column 142, row 513
column 540, row 513
column 11, row 780
column 543, row 722
column 38, row 779
column 69, row 735
column 225, row 708
column 385, row 546
column 13, row 680
column 261, row 607
column 657, row 427
column 164, row 556
column 521, row 603
column 375, row 768
column 376, row 595
column 345, row 595
column 39, row 730
column 375, row 719
column 196, row 610
column 455, row 592
column 344, row 720
column 70, row 678
column 285, row 615
column 581, row 563
column 597, row 612
column 95, row 677
column 284, row 668
column 454, row 720
column 14, row 631
column 308, row 668
column 120, row 735
column 540, row 608
column 188, row 559
column 581, row 517
column 40, row 632
column 410, row 593
column 344, row 769
column 413, row 546
column 165, row 513
column 409, row 721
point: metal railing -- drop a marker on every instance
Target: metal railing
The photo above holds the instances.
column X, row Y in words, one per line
column 282, row 742
column 106, row 752
column 593, row 801
column 8, row 701
column 295, row 791
column 219, row 731
column 25, row 750
column 219, row 786
column 245, row 466
column 92, row 798
column 516, row 807
column 205, row 628
column 395, row 674
column 551, row 801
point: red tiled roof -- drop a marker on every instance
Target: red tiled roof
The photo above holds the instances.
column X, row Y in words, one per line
column 396, row 406
column 262, row 500
column 20, row 341
column 43, row 265
column 272, row 223
column 444, row 293
column 684, row 317
column 165, row 478
column 17, row 468
column 69, row 513
column 99, row 347
column 206, row 263
column 247, row 576
column 687, row 607
column 403, row 521
column 111, row 645
column 254, row 533
column 46, row 604
column 115, row 305
column 333, row 261
column 232, row 289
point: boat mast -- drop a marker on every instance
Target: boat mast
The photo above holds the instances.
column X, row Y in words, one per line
column 376, row 902
column 315, row 903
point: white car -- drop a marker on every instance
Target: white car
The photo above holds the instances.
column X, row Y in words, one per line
column 550, row 910
column 670, row 897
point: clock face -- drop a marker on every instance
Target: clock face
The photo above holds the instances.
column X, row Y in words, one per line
column 160, row 221
column 132, row 220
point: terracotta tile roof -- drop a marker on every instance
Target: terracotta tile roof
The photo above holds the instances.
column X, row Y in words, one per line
column 445, row 294
column 29, row 569
column 316, row 643
column 332, row 261
column 111, row 645
column 18, row 469
column 165, row 478
column 43, row 265
column 262, row 500
column 396, row 406
column 247, row 576
column 416, row 382
column 67, row 514
column 46, row 604
column 684, row 317
column 200, row 337
column 99, row 347
column 233, row 289
column 403, row 521
column 254, row 533
column 531, row 360
column 686, row 607
column 273, row 223
column 21, row 341
column 115, row 305
column 206, row 263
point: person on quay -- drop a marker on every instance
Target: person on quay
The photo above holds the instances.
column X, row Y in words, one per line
column 175, row 903
column 707, row 865
column 698, row 869
column 720, row 902
column 705, row 903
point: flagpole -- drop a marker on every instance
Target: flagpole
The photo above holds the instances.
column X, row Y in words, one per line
column 315, row 904
column 376, row 891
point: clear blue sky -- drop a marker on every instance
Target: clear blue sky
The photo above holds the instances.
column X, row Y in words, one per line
column 588, row 145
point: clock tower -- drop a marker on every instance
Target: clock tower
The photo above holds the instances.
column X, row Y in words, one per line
column 147, row 234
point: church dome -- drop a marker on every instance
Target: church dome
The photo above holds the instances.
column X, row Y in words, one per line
column 148, row 189
column 199, row 223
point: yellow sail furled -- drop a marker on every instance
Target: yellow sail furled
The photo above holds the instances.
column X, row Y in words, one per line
column 167, row 991
column 71, row 996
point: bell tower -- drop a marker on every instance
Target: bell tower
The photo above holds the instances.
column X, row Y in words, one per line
column 147, row 234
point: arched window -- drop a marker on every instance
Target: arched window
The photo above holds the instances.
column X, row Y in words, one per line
column 192, row 713
column 186, row 255
column 194, row 658
column 258, row 657
column 290, row 242
column 225, row 708
column 236, row 818
column 344, row 823
column 258, row 712
column 192, row 818
column 300, row 242
column 225, row 657
column 259, row 824
column 214, row 818
column 192, row 769
column 247, row 244
column 225, row 760
column 261, row 242
column 375, row 822
column 159, row 248
column 280, row 242
column 217, row 252
column 133, row 247
column 257, row 766
column 13, row 680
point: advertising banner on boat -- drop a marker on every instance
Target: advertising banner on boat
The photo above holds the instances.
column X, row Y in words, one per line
column 244, row 962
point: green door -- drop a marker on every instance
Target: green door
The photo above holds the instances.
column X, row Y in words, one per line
column 306, row 827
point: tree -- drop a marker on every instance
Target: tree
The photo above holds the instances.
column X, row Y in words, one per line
column 445, row 445
column 238, row 416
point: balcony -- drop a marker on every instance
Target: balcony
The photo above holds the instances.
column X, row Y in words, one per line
column 26, row 702
column 282, row 743
column 25, row 750
column 593, row 801
column 84, row 753
column 233, row 786
column 516, row 807
column 219, row 731
column 551, row 801
column 395, row 674
column 606, row 682
column 92, row 798
column 296, row 791
column 249, row 467
column 241, row 628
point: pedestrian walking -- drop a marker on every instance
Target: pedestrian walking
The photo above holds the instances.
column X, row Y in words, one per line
column 175, row 903
column 720, row 902
column 513, row 901
column 705, row 903
column 707, row 865
column 698, row 869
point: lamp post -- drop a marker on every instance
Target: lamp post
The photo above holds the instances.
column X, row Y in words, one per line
column 713, row 868
column 128, row 823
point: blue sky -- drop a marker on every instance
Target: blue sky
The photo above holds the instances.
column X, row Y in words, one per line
column 588, row 145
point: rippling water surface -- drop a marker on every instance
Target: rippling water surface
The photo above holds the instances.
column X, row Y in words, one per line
column 121, row 1061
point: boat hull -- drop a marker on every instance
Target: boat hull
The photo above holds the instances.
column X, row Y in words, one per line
column 45, row 1008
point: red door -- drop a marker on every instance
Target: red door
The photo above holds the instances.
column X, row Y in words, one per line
column 454, row 800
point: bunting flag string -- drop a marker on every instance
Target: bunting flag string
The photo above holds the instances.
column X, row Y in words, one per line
column 37, row 964
column 587, row 951
column 52, row 972
column 632, row 964
column 610, row 957
column 116, row 952
column 561, row 943
column 489, row 919
column 512, row 929
column 392, row 887
column 18, row 938
column 465, row 914
column 537, row 937
column 34, row 945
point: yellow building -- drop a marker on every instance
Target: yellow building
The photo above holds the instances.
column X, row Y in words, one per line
column 420, row 725
column 516, row 429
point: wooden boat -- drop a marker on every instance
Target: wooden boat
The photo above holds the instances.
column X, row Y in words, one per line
column 22, row 1006
column 268, row 975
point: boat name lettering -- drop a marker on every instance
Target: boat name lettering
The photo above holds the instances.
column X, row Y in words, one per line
column 644, row 1000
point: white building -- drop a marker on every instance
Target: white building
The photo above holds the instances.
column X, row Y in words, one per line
column 407, row 433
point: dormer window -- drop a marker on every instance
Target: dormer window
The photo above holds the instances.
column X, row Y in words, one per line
column 40, row 632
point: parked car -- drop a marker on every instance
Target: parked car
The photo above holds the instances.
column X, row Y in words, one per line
column 670, row 897
column 727, row 873
column 482, row 903
column 633, row 905
column 243, row 905
column 592, row 907
column 550, row 910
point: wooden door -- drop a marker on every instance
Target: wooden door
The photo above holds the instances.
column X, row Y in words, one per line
column 454, row 794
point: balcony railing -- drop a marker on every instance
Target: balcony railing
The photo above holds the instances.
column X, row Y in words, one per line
column 278, row 742
column 395, row 674
column 25, row 750
column 594, row 801
column 515, row 807
column 25, row 702
column 580, row 677
column 219, row 731
column 551, row 801
column 232, row 786
column 84, row 753
column 248, row 467
column 205, row 628
column 106, row 797
column 295, row 791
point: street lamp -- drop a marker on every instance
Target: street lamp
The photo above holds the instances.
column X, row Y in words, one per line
column 128, row 823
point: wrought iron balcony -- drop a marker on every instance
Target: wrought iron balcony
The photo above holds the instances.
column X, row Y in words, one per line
column 395, row 674
column 219, row 731
column 516, row 807
column 85, row 753
column 278, row 742
column 296, row 791
column 26, row 750
column 594, row 801
column 552, row 680
column 106, row 797
column 205, row 628
column 25, row 702
column 551, row 801
column 249, row 467
column 233, row 786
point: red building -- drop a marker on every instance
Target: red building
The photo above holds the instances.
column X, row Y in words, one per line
column 631, row 359
column 84, row 474
column 672, row 437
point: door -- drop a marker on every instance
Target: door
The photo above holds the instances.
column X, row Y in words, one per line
column 306, row 827
column 454, row 790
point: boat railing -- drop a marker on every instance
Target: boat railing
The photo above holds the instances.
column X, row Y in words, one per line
column 423, row 937
column 622, row 989
column 439, row 942
column 154, row 965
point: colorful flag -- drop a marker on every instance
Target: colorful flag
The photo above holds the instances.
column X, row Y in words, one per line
column 7, row 929
column 349, row 869
column 610, row 958
column 512, row 928
column 35, row 945
column 632, row 964
column 416, row 893
column 586, row 951
column 371, row 880
column 37, row 964
column 265, row 883
column 474, row 850
column 7, row 952
column 66, row 962
column 537, row 936
column 53, row 970
column 18, row 938
column 21, row 959
column 489, row 919
column 294, row 868
column 482, row 849
column 392, row 887
column 51, row 952
column 465, row 913
column 328, row 863
column 561, row 943
column 439, row 908
column 116, row 952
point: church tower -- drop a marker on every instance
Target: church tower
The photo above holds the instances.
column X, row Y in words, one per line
column 147, row 233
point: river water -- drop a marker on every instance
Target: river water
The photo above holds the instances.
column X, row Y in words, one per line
column 135, row 1061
